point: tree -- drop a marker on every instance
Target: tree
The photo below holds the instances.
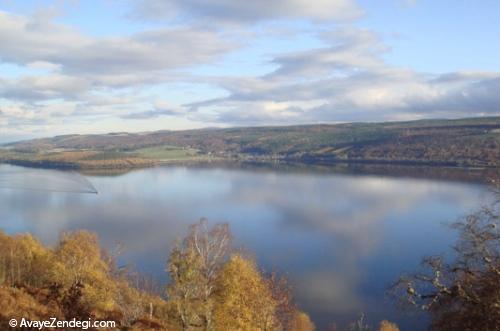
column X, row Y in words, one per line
column 244, row 301
column 185, row 290
column 359, row 324
column 82, row 268
column 301, row 322
column 463, row 294
column 211, row 247
column 387, row 326
column 289, row 316
column 24, row 261
column 281, row 291
column 193, row 266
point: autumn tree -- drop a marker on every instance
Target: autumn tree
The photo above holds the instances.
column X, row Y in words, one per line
column 244, row 300
column 300, row 322
column 186, row 287
column 288, row 314
column 286, row 310
column 193, row 266
column 24, row 260
column 387, row 326
column 81, row 265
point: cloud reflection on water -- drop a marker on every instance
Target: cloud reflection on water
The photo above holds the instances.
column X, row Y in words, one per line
column 340, row 238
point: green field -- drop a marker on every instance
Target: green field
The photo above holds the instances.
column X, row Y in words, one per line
column 168, row 153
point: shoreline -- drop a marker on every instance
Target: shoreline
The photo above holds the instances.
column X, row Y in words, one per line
column 402, row 169
column 307, row 160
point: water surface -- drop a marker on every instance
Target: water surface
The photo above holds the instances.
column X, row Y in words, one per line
column 340, row 238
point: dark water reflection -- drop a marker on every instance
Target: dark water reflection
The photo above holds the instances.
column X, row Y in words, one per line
column 342, row 239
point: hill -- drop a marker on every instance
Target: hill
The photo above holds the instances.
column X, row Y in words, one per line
column 463, row 142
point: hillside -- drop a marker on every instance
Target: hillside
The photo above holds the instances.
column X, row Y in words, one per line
column 463, row 142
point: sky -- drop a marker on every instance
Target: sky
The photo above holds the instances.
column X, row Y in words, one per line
column 74, row 66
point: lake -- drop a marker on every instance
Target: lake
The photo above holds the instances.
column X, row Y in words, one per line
column 341, row 238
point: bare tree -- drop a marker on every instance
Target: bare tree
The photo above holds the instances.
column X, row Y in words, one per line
column 282, row 293
column 464, row 294
column 211, row 246
column 359, row 324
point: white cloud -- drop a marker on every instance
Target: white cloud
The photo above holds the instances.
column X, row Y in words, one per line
column 26, row 41
column 160, row 108
column 241, row 11
column 63, row 65
column 35, row 88
column 44, row 65
column 348, row 80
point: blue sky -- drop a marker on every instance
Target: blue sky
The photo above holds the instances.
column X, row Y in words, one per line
column 139, row 65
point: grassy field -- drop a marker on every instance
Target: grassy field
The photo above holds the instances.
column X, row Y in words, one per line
column 94, row 159
column 168, row 153
column 74, row 159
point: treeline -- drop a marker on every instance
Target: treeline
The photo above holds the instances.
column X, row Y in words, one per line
column 212, row 287
column 448, row 146
column 466, row 142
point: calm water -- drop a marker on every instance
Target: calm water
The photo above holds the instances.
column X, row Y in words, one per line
column 342, row 239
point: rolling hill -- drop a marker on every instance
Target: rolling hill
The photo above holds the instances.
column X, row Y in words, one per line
column 473, row 142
